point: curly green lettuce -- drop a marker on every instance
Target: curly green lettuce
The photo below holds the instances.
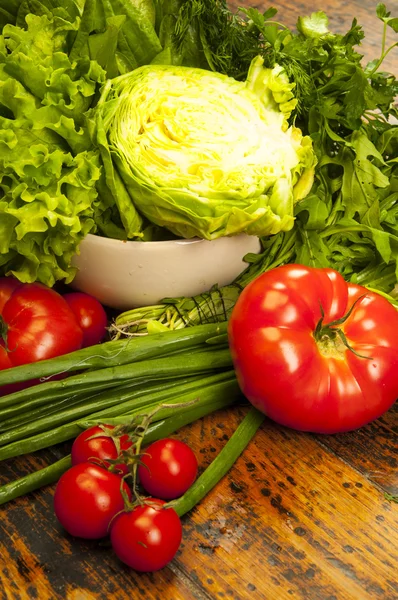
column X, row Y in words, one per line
column 48, row 173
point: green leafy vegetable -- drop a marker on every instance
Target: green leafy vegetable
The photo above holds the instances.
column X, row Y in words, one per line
column 223, row 40
column 137, row 42
column 201, row 154
column 47, row 177
column 51, row 74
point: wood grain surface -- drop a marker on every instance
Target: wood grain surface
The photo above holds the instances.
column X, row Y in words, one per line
column 299, row 516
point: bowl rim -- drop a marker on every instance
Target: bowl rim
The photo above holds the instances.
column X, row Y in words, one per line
column 96, row 239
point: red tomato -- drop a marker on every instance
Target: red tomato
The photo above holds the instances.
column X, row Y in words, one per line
column 304, row 376
column 168, row 469
column 148, row 537
column 5, row 363
column 7, row 287
column 100, row 448
column 91, row 316
column 86, row 499
column 39, row 325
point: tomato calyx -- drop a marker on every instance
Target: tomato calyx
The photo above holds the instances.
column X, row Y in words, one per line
column 123, row 456
column 3, row 331
column 4, row 335
column 331, row 339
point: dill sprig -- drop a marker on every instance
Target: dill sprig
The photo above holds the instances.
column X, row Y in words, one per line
column 229, row 42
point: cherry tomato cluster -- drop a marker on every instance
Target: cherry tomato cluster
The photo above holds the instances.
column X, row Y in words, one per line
column 38, row 323
column 92, row 499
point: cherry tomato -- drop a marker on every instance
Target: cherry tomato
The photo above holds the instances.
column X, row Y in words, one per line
column 86, row 499
column 7, row 287
column 314, row 352
column 91, row 316
column 168, row 469
column 148, row 537
column 39, row 325
column 90, row 446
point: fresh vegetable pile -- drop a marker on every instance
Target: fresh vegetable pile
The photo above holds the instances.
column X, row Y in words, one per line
column 131, row 120
column 63, row 176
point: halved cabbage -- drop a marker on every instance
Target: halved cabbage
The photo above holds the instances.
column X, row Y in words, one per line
column 202, row 154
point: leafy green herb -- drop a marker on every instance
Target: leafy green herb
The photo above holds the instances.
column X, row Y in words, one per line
column 228, row 43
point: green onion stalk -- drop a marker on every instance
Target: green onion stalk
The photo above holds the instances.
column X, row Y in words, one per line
column 197, row 364
column 36, row 435
column 167, row 419
column 111, row 354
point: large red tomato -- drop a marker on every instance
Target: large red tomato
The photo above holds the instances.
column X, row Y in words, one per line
column 314, row 352
column 7, row 286
column 37, row 324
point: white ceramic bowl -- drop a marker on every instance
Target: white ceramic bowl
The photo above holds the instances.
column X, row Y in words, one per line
column 126, row 275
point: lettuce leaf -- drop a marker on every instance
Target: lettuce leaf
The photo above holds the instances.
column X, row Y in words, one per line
column 48, row 173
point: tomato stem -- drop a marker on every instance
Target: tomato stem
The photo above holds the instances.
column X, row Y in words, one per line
column 331, row 331
column 132, row 456
column 3, row 330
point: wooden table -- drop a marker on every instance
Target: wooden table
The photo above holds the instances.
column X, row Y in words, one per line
column 299, row 516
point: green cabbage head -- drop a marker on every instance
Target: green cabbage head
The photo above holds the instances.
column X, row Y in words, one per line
column 200, row 153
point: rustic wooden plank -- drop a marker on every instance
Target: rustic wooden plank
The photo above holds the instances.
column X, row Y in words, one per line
column 372, row 450
column 38, row 560
column 290, row 520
